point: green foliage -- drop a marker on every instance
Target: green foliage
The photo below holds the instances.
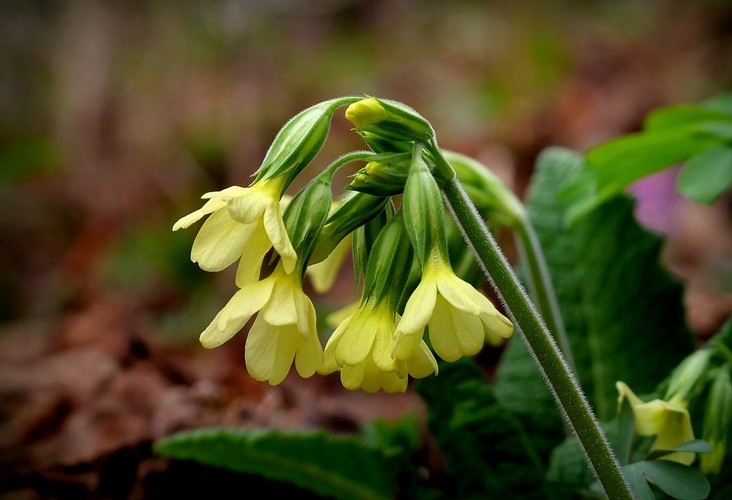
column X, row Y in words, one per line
column 489, row 451
column 333, row 466
column 622, row 311
column 700, row 135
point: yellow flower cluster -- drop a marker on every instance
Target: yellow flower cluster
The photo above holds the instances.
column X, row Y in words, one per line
column 381, row 342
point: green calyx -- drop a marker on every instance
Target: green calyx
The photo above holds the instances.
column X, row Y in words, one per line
column 424, row 213
column 390, row 120
column 299, row 141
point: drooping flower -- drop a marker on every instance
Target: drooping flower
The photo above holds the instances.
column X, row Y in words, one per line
column 283, row 331
column 460, row 318
column 669, row 421
column 243, row 223
column 361, row 347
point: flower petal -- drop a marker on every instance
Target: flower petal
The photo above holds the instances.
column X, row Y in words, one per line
column 357, row 340
column 423, row 363
column 209, row 207
column 281, row 308
column 454, row 333
column 270, row 350
column 309, row 356
column 246, row 302
column 223, row 327
column 496, row 327
column 256, row 248
column 462, row 295
column 417, row 313
column 219, row 242
column 275, row 228
column 249, row 206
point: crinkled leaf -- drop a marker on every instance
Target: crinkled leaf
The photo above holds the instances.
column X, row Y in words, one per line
column 707, row 175
column 334, row 466
column 489, row 452
column 622, row 311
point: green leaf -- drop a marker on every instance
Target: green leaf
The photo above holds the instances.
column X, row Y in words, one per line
column 638, row 483
column 675, row 479
column 682, row 114
column 622, row 311
column 624, row 160
column 568, row 467
column 693, row 446
column 707, row 175
column 334, row 466
column 488, row 452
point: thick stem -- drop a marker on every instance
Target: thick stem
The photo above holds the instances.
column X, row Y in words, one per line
column 540, row 342
column 540, row 285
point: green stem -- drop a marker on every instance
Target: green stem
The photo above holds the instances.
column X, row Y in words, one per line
column 540, row 286
column 540, row 342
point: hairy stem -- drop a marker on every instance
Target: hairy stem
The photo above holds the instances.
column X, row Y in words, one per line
column 540, row 285
column 540, row 342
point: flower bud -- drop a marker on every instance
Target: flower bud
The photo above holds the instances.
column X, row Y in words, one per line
column 355, row 210
column 717, row 421
column 380, row 144
column 306, row 214
column 424, row 215
column 299, row 140
column 389, row 263
column 381, row 179
column 390, row 120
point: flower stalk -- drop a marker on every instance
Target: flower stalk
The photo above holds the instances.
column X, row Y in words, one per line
column 540, row 342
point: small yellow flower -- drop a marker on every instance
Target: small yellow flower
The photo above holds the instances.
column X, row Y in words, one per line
column 241, row 220
column 283, row 331
column 361, row 348
column 460, row 318
column 669, row 421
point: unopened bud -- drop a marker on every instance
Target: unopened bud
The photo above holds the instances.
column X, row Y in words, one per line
column 390, row 120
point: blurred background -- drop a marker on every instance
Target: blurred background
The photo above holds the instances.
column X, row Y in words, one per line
column 116, row 116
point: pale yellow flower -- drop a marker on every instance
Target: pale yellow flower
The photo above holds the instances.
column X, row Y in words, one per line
column 244, row 223
column 460, row 318
column 669, row 421
column 283, row 331
column 361, row 349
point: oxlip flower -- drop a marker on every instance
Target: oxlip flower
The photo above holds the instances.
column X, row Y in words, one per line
column 361, row 348
column 669, row 421
column 284, row 329
column 460, row 318
column 243, row 223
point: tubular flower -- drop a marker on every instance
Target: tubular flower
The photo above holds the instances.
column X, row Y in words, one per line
column 283, row 331
column 241, row 220
column 460, row 318
column 361, row 348
column 669, row 421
